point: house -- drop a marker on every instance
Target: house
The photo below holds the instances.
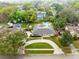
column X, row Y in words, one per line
column 43, row 30
column 40, row 15
column 20, row 7
column 74, row 30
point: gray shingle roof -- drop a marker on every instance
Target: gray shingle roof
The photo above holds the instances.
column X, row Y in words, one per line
column 43, row 30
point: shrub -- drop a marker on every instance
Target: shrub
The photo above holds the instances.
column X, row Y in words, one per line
column 66, row 39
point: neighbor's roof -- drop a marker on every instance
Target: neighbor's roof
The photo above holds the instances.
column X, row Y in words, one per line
column 73, row 30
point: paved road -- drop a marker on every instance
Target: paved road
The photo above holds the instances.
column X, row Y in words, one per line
column 41, row 57
column 49, row 57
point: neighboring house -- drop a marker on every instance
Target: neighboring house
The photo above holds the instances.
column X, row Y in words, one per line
column 20, row 7
column 15, row 26
column 43, row 30
column 4, row 4
column 40, row 15
column 74, row 30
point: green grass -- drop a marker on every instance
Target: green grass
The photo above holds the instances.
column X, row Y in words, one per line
column 39, row 52
column 66, row 50
column 24, row 26
column 39, row 45
column 76, row 43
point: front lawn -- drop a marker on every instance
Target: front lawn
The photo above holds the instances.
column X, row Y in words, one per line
column 38, row 45
column 76, row 43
